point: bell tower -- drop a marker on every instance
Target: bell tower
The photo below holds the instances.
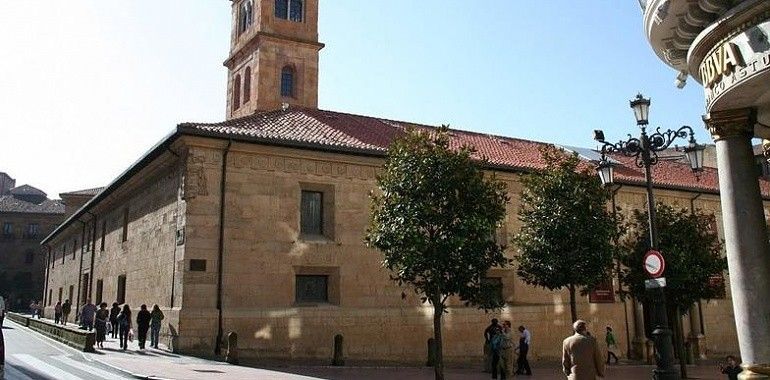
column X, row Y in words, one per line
column 273, row 55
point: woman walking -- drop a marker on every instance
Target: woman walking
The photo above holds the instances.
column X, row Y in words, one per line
column 155, row 317
column 124, row 324
column 143, row 324
column 57, row 313
column 100, row 323
column 114, row 319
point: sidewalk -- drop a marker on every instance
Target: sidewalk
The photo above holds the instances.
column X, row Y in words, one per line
column 162, row 364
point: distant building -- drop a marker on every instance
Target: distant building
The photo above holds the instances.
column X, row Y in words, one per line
column 26, row 217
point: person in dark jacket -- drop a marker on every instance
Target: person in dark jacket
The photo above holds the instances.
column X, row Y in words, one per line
column 143, row 318
column 100, row 323
column 124, row 325
column 114, row 319
column 732, row 369
column 156, row 317
column 66, row 308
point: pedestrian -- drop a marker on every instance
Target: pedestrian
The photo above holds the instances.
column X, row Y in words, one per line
column 732, row 369
column 66, row 308
column 143, row 318
column 612, row 345
column 57, row 312
column 505, row 349
column 87, row 313
column 39, row 309
column 155, row 317
column 124, row 325
column 581, row 359
column 522, row 364
column 100, row 323
column 490, row 334
column 114, row 319
column 2, row 310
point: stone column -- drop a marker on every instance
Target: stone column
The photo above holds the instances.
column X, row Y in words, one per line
column 748, row 254
column 639, row 340
column 696, row 335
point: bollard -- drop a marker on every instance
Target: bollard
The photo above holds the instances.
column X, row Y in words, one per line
column 339, row 358
column 232, row 348
column 431, row 353
column 173, row 343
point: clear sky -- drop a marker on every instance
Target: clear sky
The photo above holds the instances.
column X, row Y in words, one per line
column 86, row 87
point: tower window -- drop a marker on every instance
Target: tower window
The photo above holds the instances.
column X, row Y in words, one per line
column 289, row 10
column 245, row 16
column 247, row 85
column 287, row 81
column 237, row 92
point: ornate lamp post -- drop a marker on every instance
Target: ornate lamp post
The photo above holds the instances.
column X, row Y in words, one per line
column 644, row 150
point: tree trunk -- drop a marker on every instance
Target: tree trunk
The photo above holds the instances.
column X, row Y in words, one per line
column 572, row 306
column 438, row 365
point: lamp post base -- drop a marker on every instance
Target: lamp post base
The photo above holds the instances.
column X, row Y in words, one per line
column 755, row 372
column 664, row 354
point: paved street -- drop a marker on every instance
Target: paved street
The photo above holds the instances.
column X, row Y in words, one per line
column 29, row 355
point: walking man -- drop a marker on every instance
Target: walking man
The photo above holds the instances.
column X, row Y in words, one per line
column 581, row 359
column 66, row 308
column 524, row 341
column 87, row 314
column 143, row 318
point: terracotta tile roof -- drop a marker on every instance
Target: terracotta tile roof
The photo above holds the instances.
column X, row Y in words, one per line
column 8, row 203
column 93, row 191
column 347, row 132
column 27, row 190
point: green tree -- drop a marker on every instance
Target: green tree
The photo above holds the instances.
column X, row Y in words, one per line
column 566, row 239
column 691, row 248
column 434, row 221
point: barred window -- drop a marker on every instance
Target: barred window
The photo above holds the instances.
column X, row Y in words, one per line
column 311, row 213
column 287, row 81
column 312, row 288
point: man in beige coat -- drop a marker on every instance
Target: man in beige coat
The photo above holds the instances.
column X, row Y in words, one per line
column 581, row 359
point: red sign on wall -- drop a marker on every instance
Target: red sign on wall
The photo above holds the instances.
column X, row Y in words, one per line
column 603, row 293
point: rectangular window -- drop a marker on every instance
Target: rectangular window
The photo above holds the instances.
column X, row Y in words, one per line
column 121, row 296
column 29, row 257
column 312, row 288
column 99, row 290
column 74, row 248
column 197, row 265
column 72, row 293
column 50, row 296
column 125, row 224
column 311, row 213
column 87, row 241
column 32, row 230
column 494, row 286
column 104, row 233
column 60, row 294
column 8, row 230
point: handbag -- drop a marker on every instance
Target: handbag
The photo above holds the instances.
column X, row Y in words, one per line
column 131, row 335
column 108, row 327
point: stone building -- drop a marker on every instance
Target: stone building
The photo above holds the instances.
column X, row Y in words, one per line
column 256, row 224
column 26, row 216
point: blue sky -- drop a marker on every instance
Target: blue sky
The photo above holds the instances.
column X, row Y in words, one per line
column 88, row 86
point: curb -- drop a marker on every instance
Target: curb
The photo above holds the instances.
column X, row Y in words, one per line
column 132, row 374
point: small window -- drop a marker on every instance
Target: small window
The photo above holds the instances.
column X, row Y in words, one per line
column 494, row 286
column 99, row 290
column 8, row 230
column 50, row 296
column 247, row 85
column 246, row 16
column 125, row 225
column 74, row 248
column 197, row 265
column 104, row 233
column 63, row 252
column 60, row 294
column 312, row 288
column 237, row 92
column 29, row 257
column 289, row 9
column 311, row 213
column 287, row 82
column 72, row 294
column 121, row 296
column 87, row 242
column 32, row 230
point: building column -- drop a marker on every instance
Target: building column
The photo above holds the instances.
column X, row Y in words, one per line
column 639, row 341
column 696, row 335
column 748, row 254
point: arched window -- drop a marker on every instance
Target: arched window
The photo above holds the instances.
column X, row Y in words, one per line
column 247, row 85
column 287, row 81
column 237, row 92
column 289, row 10
column 245, row 16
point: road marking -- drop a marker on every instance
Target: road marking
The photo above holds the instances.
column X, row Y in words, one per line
column 40, row 366
column 87, row 368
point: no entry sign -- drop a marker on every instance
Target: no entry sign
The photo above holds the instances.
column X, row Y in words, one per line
column 654, row 263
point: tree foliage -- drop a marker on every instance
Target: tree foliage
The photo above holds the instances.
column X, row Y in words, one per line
column 691, row 248
column 434, row 221
column 566, row 239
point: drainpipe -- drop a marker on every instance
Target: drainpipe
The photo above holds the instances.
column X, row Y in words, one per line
column 220, row 267
column 93, row 253
column 80, row 272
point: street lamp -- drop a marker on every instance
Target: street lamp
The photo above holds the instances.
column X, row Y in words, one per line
column 644, row 150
